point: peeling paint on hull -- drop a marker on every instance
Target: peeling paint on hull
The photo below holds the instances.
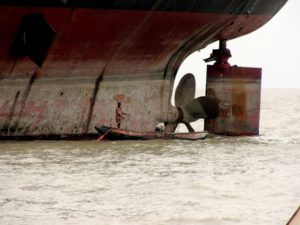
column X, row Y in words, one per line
column 71, row 106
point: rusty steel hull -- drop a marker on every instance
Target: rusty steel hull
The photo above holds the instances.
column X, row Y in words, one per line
column 104, row 52
column 237, row 91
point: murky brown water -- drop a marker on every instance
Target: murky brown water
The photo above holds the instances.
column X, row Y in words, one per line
column 222, row 180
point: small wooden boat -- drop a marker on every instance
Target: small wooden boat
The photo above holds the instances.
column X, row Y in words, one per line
column 112, row 133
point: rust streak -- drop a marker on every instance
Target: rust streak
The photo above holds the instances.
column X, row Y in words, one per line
column 12, row 109
column 11, row 113
column 92, row 102
column 24, row 99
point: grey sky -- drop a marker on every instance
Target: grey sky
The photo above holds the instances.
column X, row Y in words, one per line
column 275, row 47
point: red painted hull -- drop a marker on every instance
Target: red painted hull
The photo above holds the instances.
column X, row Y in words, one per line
column 90, row 41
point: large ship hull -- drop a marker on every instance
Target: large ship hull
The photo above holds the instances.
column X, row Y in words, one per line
column 104, row 52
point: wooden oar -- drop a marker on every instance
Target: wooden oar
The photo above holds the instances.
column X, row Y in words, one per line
column 103, row 136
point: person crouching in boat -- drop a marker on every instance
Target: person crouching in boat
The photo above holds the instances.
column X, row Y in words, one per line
column 120, row 115
column 161, row 127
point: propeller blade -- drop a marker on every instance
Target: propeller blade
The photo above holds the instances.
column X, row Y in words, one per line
column 185, row 91
column 210, row 107
column 202, row 107
column 189, row 127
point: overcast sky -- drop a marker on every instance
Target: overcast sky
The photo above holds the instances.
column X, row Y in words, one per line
column 275, row 47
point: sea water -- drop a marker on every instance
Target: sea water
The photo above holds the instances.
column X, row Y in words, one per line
column 218, row 181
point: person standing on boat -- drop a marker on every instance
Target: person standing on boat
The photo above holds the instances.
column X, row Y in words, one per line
column 120, row 115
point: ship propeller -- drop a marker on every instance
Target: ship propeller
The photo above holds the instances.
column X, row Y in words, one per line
column 191, row 108
column 185, row 91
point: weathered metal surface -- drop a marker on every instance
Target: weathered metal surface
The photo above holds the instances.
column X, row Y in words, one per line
column 237, row 91
column 108, row 51
column 73, row 106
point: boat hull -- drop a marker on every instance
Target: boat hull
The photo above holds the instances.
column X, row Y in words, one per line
column 109, row 133
column 104, row 53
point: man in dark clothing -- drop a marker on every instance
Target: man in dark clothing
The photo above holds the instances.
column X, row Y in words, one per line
column 120, row 115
